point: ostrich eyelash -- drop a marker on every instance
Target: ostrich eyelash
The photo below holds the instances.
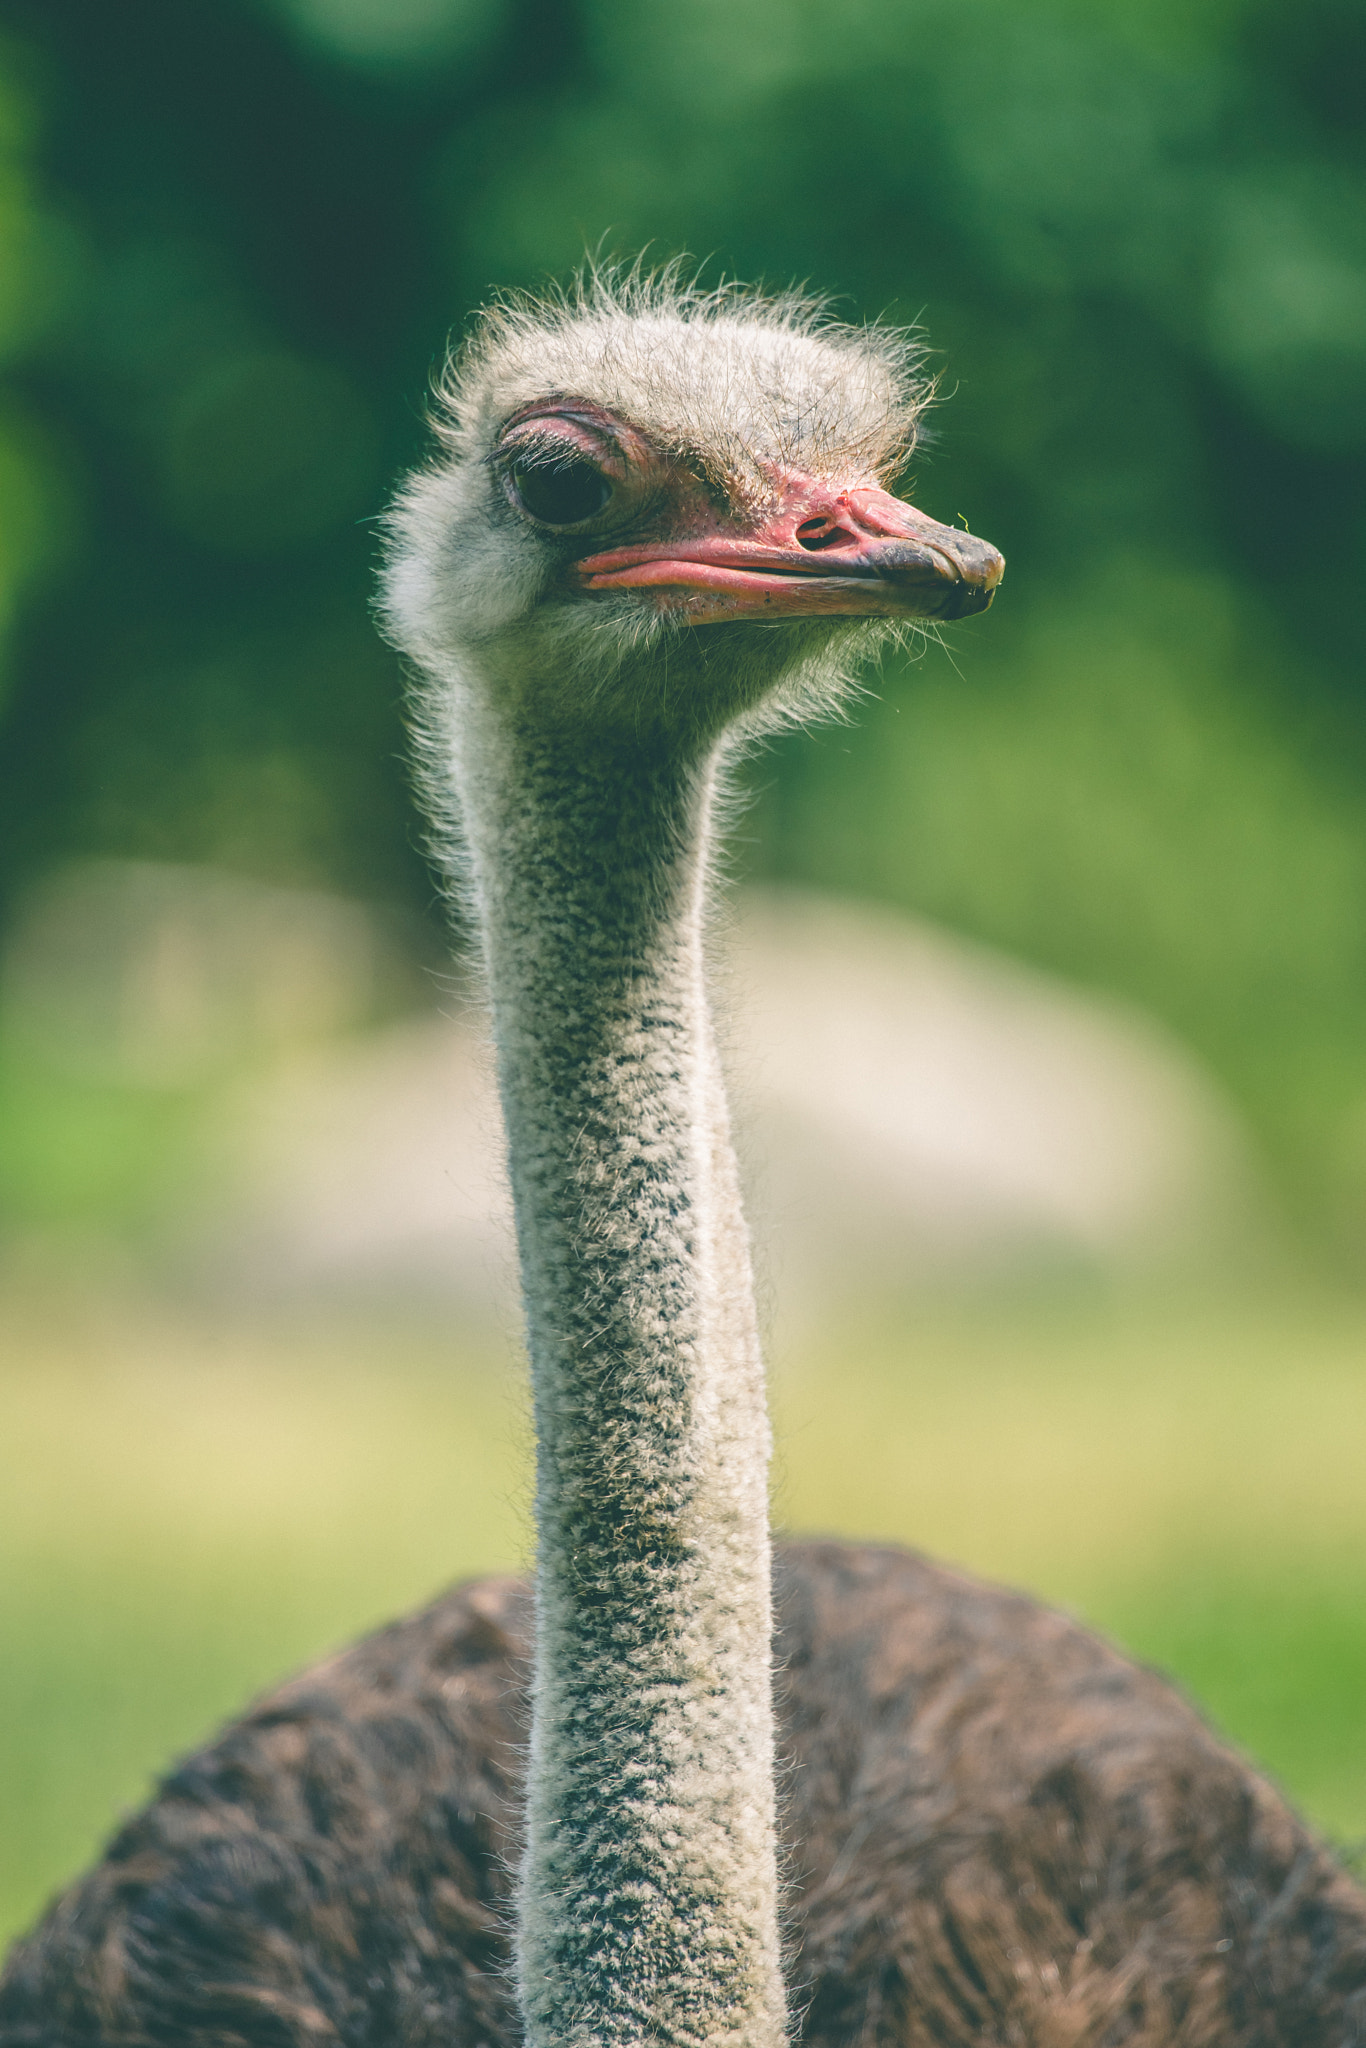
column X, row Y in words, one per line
column 539, row 451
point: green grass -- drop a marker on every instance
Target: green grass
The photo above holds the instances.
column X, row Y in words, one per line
column 189, row 1510
column 80, row 1152
column 1189, row 1479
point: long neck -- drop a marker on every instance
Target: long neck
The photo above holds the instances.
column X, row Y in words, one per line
column 648, row 1906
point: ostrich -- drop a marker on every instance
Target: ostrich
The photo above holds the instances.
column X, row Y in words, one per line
column 611, row 1813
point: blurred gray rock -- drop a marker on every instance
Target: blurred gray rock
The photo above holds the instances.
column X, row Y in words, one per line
column 911, row 1109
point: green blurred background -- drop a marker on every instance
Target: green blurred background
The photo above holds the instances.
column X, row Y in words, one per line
column 233, row 237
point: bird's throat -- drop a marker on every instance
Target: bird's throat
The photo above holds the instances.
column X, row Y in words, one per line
column 648, row 1903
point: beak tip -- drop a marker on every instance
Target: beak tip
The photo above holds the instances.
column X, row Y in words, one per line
column 967, row 599
column 978, row 590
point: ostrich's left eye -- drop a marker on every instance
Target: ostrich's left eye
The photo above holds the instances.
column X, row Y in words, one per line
column 560, row 494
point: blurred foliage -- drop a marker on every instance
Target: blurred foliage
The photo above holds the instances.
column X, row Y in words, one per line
column 233, row 234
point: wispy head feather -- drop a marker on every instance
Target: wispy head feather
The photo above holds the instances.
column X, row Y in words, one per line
column 724, row 376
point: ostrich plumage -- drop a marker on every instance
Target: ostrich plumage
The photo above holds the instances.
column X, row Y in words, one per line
column 681, row 1796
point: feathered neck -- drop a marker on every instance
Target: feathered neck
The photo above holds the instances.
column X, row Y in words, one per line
column 648, row 1907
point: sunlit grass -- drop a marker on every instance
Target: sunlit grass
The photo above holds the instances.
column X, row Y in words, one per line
column 1189, row 1479
column 189, row 1509
column 187, row 1512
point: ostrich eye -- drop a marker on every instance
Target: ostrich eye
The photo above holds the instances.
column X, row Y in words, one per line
column 564, row 495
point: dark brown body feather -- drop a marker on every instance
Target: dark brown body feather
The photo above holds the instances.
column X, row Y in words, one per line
column 997, row 1831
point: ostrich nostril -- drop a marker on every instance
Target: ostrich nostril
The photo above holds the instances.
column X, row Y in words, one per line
column 824, row 533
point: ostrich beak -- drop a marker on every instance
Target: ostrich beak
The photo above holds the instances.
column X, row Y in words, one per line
column 859, row 552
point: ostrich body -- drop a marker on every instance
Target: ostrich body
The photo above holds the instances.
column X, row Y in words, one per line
column 658, row 526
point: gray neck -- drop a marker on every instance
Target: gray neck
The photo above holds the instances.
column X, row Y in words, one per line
column 648, row 1906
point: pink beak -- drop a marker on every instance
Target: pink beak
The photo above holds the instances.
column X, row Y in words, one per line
column 860, row 552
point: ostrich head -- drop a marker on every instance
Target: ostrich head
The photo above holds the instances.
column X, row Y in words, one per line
column 666, row 508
